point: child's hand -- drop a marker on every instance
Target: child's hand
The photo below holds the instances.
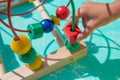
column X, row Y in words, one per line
column 93, row 15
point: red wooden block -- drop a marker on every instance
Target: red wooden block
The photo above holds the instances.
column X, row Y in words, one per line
column 71, row 35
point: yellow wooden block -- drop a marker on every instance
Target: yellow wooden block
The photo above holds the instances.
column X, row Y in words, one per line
column 55, row 20
column 21, row 46
column 36, row 64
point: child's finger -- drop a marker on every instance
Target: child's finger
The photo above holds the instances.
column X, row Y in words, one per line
column 84, row 34
column 84, row 21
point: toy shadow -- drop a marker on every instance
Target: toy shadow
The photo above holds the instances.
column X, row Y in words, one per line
column 8, row 57
column 109, row 70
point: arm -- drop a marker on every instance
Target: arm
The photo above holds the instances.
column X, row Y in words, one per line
column 115, row 9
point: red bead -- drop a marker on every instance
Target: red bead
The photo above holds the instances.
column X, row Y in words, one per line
column 71, row 35
column 62, row 12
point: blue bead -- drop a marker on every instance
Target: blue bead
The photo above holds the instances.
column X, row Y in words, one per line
column 48, row 25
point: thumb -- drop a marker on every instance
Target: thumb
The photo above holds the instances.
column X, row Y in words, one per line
column 83, row 35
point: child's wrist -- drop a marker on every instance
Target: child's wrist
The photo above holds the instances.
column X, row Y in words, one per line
column 115, row 8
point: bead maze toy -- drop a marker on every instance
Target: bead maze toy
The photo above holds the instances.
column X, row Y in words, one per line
column 37, row 66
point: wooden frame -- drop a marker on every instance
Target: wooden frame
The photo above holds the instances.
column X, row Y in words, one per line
column 51, row 62
column 2, row 71
column 15, row 3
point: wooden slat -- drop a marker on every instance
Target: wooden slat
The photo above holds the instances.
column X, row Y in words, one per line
column 15, row 3
column 2, row 71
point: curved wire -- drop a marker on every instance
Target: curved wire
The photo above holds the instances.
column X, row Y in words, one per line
column 68, row 4
column 73, row 14
column 18, row 15
column 9, row 19
column 23, row 13
column 13, row 28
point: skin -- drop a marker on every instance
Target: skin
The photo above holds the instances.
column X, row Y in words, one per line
column 94, row 15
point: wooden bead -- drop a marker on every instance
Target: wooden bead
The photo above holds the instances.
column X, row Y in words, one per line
column 36, row 30
column 55, row 20
column 48, row 25
column 62, row 12
column 36, row 64
column 72, row 47
column 29, row 57
column 21, row 46
column 71, row 35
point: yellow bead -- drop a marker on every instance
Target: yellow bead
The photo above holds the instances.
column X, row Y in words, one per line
column 35, row 64
column 31, row 1
column 55, row 20
column 21, row 46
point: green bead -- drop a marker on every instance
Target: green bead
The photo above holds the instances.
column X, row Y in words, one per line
column 36, row 30
column 29, row 57
column 72, row 47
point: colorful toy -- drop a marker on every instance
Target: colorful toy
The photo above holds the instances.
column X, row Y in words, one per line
column 21, row 45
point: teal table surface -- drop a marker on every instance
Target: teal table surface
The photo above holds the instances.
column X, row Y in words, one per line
column 103, row 56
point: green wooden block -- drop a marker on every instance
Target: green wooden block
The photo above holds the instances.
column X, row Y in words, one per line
column 29, row 57
column 72, row 47
column 36, row 30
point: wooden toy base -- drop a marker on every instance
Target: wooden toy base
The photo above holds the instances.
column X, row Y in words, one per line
column 51, row 63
